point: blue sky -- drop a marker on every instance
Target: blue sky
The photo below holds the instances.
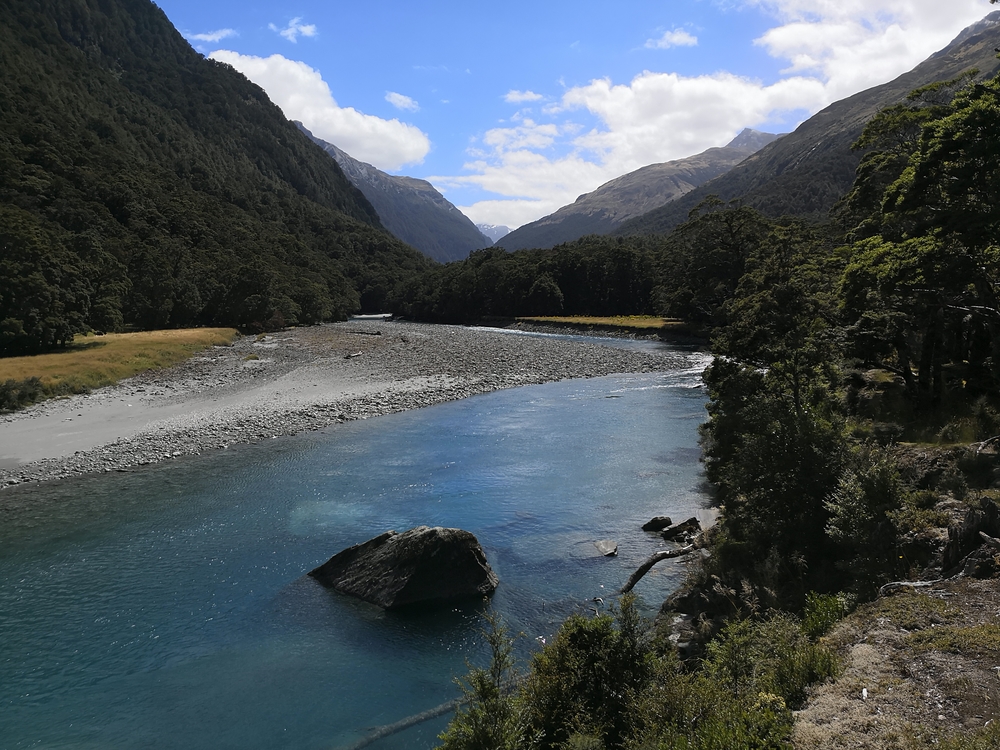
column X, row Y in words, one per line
column 514, row 109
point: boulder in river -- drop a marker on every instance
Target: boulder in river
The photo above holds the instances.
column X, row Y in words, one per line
column 657, row 523
column 420, row 565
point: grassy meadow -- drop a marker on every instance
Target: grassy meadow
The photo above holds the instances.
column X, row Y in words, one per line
column 645, row 323
column 94, row 361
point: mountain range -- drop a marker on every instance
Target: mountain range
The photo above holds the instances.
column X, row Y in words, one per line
column 807, row 171
column 634, row 194
column 410, row 208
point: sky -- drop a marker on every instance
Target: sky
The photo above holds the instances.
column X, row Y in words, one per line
column 513, row 109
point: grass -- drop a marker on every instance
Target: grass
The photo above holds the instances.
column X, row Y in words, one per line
column 630, row 322
column 978, row 640
column 95, row 361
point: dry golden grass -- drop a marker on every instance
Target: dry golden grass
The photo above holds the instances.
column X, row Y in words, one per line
column 634, row 322
column 95, row 361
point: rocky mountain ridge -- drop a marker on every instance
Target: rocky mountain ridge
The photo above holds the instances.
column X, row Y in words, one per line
column 634, row 194
column 410, row 208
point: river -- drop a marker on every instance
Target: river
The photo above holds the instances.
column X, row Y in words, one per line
column 167, row 607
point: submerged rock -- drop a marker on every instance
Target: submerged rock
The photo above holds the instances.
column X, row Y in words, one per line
column 420, row 565
column 607, row 547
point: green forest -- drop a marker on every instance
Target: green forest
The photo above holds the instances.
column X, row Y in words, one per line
column 842, row 349
column 144, row 186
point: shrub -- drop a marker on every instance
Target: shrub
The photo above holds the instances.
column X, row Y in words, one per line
column 823, row 611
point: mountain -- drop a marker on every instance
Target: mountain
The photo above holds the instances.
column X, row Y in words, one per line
column 144, row 185
column 807, row 171
column 493, row 232
column 634, row 194
column 410, row 208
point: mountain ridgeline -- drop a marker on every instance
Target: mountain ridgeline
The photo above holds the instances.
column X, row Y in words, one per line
column 144, row 185
column 411, row 209
column 807, row 171
column 634, row 194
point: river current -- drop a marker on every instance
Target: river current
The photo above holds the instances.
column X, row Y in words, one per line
column 168, row 607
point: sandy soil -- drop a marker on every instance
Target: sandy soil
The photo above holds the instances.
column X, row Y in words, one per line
column 283, row 384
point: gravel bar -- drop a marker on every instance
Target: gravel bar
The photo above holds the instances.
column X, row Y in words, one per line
column 285, row 383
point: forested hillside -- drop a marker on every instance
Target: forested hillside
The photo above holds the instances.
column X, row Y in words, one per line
column 143, row 185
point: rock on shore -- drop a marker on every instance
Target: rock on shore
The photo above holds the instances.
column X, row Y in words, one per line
column 420, row 565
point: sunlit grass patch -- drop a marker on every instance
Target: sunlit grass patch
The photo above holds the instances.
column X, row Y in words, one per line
column 910, row 611
column 975, row 640
column 95, row 361
column 634, row 322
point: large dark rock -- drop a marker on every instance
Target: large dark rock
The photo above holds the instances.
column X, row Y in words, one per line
column 657, row 523
column 420, row 565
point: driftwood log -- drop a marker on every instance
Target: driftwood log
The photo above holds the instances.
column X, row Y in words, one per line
column 650, row 562
column 892, row 588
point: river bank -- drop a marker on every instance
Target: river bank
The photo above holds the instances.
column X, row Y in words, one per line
column 265, row 387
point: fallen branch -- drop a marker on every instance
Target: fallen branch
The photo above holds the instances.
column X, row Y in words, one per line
column 895, row 586
column 410, row 721
column 650, row 562
column 989, row 540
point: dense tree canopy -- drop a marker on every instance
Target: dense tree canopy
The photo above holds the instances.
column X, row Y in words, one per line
column 144, row 185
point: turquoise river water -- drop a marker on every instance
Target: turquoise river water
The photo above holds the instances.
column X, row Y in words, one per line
column 167, row 607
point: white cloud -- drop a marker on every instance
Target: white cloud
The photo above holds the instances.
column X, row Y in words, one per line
column 294, row 29
column 675, row 38
column 832, row 49
column 852, row 45
column 303, row 95
column 401, row 101
column 517, row 97
column 213, row 36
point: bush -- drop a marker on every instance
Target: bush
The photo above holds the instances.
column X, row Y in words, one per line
column 17, row 394
column 589, row 678
column 774, row 657
column 823, row 611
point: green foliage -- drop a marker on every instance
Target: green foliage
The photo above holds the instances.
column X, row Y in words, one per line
column 16, row 394
column 591, row 276
column 493, row 718
column 921, row 289
column 861, row 510
column 587, row 680
column 141, row 184
column 823, row 611
column 773, row 657
column 695, row 712
column 703, row 260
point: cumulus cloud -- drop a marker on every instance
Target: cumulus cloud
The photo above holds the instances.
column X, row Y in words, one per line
column 517, row 97
column 852, row 45
column 294, row 30
column 675, row 38
column 829, row 48
column 401, row 101
column 213, row 36
column 303, row 95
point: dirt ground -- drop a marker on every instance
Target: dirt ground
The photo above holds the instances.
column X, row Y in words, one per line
column 919, row 666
